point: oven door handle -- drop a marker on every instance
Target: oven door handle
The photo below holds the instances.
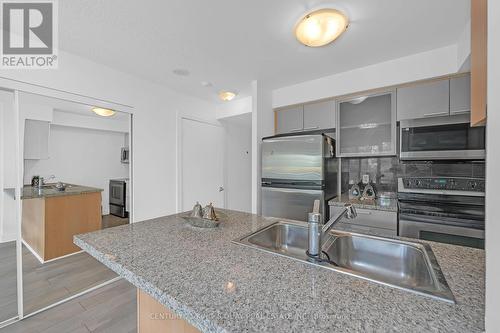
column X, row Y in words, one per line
column 411, row 226
column 414, row 218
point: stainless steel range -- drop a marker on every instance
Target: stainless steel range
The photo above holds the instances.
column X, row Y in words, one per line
column 442, row 209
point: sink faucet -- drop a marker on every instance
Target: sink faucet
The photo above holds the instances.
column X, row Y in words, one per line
column 316, row 231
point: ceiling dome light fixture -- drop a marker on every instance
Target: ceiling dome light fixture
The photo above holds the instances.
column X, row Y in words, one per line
column 104, row 112
column 227, row 95
column 321, row 27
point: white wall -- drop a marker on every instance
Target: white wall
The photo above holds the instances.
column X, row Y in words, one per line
column 492, row 175
column 76, row 120
column 238, row 141
column 262, row 126
column 81, row 156
column 438, row 62
column 154, row 122
column 234, row 108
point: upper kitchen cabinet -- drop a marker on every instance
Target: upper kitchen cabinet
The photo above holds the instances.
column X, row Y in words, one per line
column 36, row 139
column 319, row 115
column 290, row 119
column 460, row 95
column 306, row 117
column 478, row 56
column 366, row 125
column 424, row 100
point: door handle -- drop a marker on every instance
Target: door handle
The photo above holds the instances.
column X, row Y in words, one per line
column 460, row 112
column 296, row 130
column 221, row 188
column 310, row 128
column 436, row 114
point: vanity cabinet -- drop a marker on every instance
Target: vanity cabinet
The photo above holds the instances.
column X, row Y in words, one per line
column 366, row 126
column 460, row 95
column 306, row 117
column 424, row 100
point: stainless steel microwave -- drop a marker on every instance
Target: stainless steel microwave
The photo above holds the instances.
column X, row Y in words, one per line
column 441, row 141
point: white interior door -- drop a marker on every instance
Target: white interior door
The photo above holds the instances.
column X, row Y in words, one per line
column 202, row 164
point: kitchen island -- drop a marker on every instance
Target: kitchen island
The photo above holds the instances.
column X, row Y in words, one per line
column 51, row 218
column 215, row 285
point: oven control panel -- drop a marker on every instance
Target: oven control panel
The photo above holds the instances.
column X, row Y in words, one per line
column 444, row 183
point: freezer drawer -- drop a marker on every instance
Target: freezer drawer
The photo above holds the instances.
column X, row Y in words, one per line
column 292, row 204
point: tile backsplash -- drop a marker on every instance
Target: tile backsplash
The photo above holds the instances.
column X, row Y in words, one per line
column 384, row 171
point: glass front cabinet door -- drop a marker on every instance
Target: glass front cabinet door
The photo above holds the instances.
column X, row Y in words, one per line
column 366, row 125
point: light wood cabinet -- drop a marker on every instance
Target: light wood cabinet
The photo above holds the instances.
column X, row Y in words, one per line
column 479, row 34
column 153, row 317
column 460, row 95
column 49, row 224
column 426, row 100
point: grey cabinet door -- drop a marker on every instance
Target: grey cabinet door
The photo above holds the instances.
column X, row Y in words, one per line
column 424, row 100
column 366, row 126
column 319, row 115
column 460, row 95
column 290, row 119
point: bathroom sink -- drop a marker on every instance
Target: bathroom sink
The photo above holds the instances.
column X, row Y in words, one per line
column 400, row 264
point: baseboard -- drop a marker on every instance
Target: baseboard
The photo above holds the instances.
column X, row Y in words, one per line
column 4, row 238
column 40, row 259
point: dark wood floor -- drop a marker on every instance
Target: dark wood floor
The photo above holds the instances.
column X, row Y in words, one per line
column 112, row 308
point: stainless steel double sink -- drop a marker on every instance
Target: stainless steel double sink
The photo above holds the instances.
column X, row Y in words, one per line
column 395, row 263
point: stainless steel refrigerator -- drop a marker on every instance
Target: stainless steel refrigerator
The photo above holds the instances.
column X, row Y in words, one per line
column 296, row 170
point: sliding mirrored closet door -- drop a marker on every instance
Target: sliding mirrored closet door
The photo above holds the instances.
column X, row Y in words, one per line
column 8, row 208
column 75, row 180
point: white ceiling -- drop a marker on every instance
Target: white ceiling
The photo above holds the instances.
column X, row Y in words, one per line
column 231, row 42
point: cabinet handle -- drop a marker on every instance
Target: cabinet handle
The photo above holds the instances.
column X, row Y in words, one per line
column 436, row 114
column 311, row 128
column 296, row 130
column 460, row 112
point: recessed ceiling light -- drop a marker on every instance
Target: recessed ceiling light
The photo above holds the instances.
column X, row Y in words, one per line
column 227, row 95
column 321, row 27
column 104, row 112
column 181, row 72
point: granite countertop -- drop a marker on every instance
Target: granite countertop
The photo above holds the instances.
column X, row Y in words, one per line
column 389, row 205
column 30, row 192
column 219, row 286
